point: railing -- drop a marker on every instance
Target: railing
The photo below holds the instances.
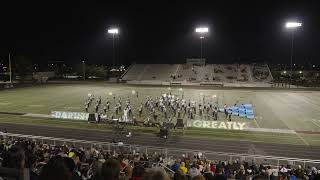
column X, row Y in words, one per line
column 168, row 152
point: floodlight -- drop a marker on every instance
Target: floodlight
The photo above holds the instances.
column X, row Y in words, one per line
column 201, row 37
column 113, row 31
column 293, row 24
column 202, row 30
column 285, row 72
column 300, row 72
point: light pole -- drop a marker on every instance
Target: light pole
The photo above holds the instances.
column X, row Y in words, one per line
column 10, row 73
column 84, row 70
column 201, row 37
column 113, row 32
column 292, row 26
column 202, row 31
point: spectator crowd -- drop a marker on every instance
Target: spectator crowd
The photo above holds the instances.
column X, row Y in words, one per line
column 42, row 161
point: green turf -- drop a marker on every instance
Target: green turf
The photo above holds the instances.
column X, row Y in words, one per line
column 273, row 109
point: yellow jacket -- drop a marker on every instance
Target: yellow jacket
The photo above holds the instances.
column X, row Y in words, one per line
column 183, row 169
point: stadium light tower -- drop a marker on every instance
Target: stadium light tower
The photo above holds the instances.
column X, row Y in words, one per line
column 202, row 31
column 84, row 70
column 113, row 32
column 292, row 26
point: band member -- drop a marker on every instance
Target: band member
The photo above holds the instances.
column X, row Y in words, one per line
column 105, row 109
column 117, row 110
column 213, row 114
column 125, row 115
column 119, row 106
column 108, row 106
column 140, row 110
column 86, row 107
column 130, row 111
column 99, row 101
column 225, row 110
column 165, row 112
column 97, row 108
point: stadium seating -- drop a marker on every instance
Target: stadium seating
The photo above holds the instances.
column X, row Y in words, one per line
column 209, row 73
column 261, row 73
column 134, row 72
column 162, row 72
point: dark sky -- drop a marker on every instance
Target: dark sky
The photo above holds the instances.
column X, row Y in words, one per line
column 160, row 31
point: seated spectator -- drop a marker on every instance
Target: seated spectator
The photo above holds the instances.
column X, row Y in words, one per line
column 259, row 177
column 110, row 169
column 299, row 172
column 137, row 172
column 219, row 174
column 199, row 177
column 175, row 167
column 155, row 174
column 72, row 168
column 241, row 174
column 183, row 168
column 179, row 176
column 213, row 168
column 194, row 171
column 14, row 158
column 317, row 176
column 55, row 169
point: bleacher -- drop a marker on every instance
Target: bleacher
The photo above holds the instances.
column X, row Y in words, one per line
column 225, row 72
column 134, row 72
column 201, row 74
column 161, row 72
column 261, row 73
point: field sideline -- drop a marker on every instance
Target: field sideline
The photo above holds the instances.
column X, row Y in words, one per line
column 296, row 110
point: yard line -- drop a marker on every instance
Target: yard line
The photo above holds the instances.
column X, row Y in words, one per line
column 316, row 140
column 35, row 105
column 4, row 103
column 303, row 140
column 315, row 122
column 256, row 123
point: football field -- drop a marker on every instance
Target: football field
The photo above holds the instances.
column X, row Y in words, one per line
column 273, row 109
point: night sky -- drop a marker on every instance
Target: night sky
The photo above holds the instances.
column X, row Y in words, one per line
column 160, row 31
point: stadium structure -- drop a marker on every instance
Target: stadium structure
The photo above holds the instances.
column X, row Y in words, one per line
column 254, row 124
column 197, row 72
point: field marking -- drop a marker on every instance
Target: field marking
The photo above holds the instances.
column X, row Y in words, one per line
column 315, row 140
column 315, row 122
column 4, row 103
column 303, row 140
column 256, row 122
column 71, row 107
column 35, row 105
